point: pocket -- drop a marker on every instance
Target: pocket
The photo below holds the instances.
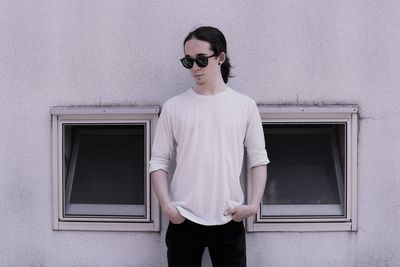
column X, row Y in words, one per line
column 174, row 231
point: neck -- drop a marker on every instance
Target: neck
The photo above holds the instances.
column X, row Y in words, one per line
column 210, row 89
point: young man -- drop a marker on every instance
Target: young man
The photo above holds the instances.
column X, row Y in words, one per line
column 209, row 126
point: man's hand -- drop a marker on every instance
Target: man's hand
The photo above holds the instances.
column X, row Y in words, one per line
column 241, row 212
column 159, row 180
column 259, row 180
column 173, row 214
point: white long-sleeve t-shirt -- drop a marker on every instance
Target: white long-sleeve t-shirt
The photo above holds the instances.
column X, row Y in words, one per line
column 210, row 133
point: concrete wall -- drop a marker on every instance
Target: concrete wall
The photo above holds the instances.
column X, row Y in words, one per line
column 126, row 52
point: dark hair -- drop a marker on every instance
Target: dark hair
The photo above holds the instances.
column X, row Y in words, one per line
column 217, row 42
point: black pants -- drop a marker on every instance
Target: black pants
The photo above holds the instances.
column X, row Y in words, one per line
column 186, row 243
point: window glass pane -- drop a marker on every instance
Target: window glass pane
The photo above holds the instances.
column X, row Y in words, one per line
column 306, row 173
column 105, row 170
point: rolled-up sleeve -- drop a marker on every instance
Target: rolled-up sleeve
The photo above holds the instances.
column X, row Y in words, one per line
column 163, row 144
column 254, row 140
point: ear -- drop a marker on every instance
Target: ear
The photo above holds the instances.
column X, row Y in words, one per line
column 221, row 57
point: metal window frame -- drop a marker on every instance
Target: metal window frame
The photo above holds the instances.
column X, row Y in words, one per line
column 347, row 114
column 81, row 210
column 102, row 115
column 338, row 174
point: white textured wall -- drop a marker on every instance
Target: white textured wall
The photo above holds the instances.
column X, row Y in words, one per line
column 126, row 52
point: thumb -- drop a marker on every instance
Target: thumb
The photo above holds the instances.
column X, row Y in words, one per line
column 230, row 211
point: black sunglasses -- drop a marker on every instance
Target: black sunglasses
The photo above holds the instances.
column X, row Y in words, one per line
column 201, row 61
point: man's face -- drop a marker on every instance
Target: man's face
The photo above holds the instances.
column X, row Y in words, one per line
column 208, row 75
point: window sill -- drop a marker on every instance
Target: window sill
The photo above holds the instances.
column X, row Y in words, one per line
column 106, row 226
column 301, row 227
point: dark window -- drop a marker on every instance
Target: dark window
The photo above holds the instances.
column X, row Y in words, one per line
column 306, row 176
column 104, row 170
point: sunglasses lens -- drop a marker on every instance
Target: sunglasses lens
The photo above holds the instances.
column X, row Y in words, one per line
column 187, row 62
column 202, row 61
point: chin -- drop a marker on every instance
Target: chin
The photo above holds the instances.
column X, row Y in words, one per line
column 201, row 83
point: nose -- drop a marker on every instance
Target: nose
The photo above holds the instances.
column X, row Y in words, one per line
column 195, row 66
